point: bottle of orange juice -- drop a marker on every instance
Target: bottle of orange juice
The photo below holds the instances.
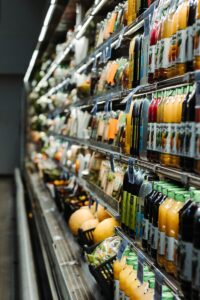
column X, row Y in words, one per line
column 149, row 295
column 139, row 292
column 172, row 223
column 124, row 274
column 131, row 280
column 118, row 266
column 183, row 11
column 162, row 213
column 197, row 38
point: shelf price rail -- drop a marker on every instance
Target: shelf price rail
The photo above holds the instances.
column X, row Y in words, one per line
column 169, row 280
column 188, row 179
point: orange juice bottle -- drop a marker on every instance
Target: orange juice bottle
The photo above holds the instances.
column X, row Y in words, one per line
column 139, row 292
column 171, row 71
column 172, row 223
column 131, row 280
column 166, row 33
column 118, row 266
column 149, row 295
column 128, row 131
column 183, row 11
column 197, row 38
column 131, row 11
column 125, row 273
column 162, row 214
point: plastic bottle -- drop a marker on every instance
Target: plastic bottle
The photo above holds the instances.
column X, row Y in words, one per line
column 186, row 246
column 118, row 266
column 162, row 221
column 131, row 280
column 152, row 46
column 190, row 28
column 172, row 232
column 167, row 296
column 196, row 257
column 123, row 275
column 182, row 12
column 138, row 293
column 196, row 59
column 125, row 191
column 143, row 129
column 149, row 295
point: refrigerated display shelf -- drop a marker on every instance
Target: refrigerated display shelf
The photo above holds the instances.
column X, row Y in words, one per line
column 70, row 273
column 110, row 204
column 188, row 179
column 167, row 279
column 114, row 41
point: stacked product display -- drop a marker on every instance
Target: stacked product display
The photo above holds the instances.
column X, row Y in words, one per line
column 114, row 131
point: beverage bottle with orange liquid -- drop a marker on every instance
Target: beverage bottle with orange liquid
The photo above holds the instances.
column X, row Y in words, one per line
column 197, row 133
column 172, row 223
column 196, row 59
column 125, row 273
column 190, row 35
column 162, row 220
column 182, row 12
column 131, row 281
column 139, row 291
column 149, row 295
column 158, row 41
column 173, row 20
column 118, row 266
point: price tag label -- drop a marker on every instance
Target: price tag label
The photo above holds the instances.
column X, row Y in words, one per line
column 158, row 285
column 122, row 247
column 90, row 201
column 108, row 104
column 121, row 35
column 128, row 103
column 94, row 62
column 97, row 204
column 140, row 270
column 197, row 75
column 108, row 51
column 112, row 163
column 94, row 109
column 134, row 91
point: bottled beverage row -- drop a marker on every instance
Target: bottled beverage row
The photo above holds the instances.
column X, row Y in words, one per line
column 161, row 216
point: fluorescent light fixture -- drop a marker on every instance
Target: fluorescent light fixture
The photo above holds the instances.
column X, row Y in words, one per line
column 31, row 65
column 49, row 14
column 42, row 34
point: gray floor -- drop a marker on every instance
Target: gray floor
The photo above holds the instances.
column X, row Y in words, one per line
column 7, row 240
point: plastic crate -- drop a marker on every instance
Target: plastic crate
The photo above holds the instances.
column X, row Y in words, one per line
column 85, row 238
column 104, row 277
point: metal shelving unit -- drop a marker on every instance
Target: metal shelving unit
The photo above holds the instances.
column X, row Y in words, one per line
column 185, row 178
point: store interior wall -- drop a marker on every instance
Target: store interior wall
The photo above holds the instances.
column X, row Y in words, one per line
column 20, row 24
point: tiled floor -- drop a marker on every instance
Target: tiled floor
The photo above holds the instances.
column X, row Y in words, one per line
column 7, row 240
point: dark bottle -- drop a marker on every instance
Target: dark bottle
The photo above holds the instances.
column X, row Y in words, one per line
column 134, row 125
column 186, row 216
column 125, row 193
column 196, row 257
column 189, row 43
column 182, row 130
column 189, row 149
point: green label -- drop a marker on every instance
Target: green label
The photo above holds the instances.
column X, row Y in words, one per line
column 123, row 207
column 132, row 212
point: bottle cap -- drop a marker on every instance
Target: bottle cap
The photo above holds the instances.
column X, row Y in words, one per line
column 167, row 296
column 197, row 196
column 165, row 288
column 179, row 196
column 130, row 260
column 148, row 275
column 187, row 196
column 167, row 189
column 135, row 265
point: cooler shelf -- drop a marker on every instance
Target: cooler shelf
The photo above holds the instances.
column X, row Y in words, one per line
column 185, row 178
column 169, row 280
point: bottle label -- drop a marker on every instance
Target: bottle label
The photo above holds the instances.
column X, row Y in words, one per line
column 189, row 44
column 197, row 141
column 161, row 243
column 181, row 139
column 158, row 137
column 189, row 139
column 132, row 214
column 170, row 241
column 181, row 51
column 149, row 136
column 166, row 138
column 154, row 237
column 164, row 53
column 172, row 51
column 128, row 205
column 173, row 138
column 152, row 55
column 197, row 38
column 145, row 229
column 139, row 217
column 196, row 269
column 186, row 261
column 121, row 295
column 154, row 128
column 150, row 234
column 157, row 55
column 123, row 207
column 116, row 289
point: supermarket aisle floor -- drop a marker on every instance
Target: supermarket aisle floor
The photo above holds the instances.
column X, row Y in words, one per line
column 7, row 240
